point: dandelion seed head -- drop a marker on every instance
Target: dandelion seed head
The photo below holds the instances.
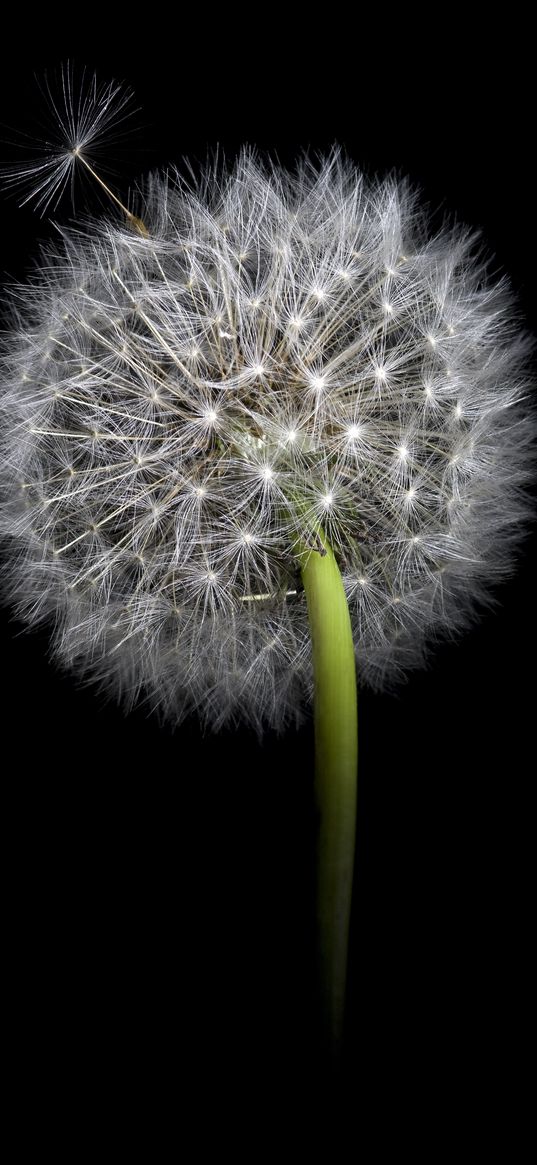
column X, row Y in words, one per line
column 271, row 355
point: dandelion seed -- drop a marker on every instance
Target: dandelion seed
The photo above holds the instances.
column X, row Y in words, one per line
column 87, row 119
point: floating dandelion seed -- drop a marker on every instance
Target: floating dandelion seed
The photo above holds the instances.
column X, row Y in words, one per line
column 179, row 398
column 86, row 120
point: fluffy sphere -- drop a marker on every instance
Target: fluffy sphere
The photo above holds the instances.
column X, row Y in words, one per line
column 281, row 352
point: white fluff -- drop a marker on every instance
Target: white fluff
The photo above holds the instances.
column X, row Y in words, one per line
column 282, row 350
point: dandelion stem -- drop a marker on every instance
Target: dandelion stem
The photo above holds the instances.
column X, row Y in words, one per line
column 336, row 763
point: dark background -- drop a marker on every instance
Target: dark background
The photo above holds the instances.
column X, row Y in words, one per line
column 158, row 885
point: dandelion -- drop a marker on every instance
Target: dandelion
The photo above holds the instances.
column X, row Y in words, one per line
column 274, row 435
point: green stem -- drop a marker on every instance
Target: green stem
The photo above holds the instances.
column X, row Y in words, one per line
column 336, row 763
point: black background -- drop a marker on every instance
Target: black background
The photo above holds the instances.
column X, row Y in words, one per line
column 158, row 885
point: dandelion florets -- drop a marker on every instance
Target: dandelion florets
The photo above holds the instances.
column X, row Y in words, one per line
column 282, row 352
